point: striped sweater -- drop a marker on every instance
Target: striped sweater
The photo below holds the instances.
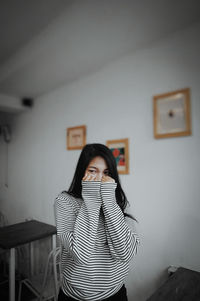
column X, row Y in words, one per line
column 96, row 241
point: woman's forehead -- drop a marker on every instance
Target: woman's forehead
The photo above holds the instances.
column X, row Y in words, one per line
column 98, row 162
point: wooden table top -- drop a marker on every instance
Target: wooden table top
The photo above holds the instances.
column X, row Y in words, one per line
column 184, row 284
column 21, row 233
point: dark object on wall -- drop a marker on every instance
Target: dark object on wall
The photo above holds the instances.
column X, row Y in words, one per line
column 184, row 284
column 5, row 131
column 27, row 102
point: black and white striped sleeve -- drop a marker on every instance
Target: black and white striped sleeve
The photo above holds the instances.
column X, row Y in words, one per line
column 122, row 241
column 78, row 233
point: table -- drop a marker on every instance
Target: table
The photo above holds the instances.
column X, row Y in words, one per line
column 184, row 284
column 19, row 234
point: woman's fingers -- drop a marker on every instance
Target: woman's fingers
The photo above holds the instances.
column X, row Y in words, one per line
column 89, row 177
column 97, row 177
column 107, row 179
column 85, row 176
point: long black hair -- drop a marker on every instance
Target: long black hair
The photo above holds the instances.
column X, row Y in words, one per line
column 89, row 152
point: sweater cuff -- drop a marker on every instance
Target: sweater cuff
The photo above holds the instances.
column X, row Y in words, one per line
column 91, row 184
column 108, row 189
column 91, row 190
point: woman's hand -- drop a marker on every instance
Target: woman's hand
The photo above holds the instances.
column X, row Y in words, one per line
column 91, row 177
column 96, row 177
column 107, row 179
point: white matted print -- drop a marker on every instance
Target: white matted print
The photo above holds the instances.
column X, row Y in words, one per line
column 172, row 114
column 76, row 137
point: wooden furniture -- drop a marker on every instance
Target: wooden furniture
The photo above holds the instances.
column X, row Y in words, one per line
column 184, row 284
column 22, row 233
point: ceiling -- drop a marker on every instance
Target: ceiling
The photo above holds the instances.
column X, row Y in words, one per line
column 21, row 20
column 48, row 43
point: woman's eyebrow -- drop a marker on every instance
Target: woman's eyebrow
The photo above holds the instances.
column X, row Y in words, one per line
column 92, row 167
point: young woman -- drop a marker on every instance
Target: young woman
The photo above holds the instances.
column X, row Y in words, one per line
column 97, row 244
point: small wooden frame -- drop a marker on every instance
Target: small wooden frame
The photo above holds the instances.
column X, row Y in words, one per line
column 120, row 150
column 76, row 137
column 172, row 114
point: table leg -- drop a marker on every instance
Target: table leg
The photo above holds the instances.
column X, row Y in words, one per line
column 12, row 275
column 32, row 258
column 54, row 241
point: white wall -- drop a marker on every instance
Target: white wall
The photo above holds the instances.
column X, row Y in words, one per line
column 163, row 184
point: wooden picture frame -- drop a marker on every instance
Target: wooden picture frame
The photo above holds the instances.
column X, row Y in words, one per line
column 120, row 150
column 76, row 137
column 172, row 114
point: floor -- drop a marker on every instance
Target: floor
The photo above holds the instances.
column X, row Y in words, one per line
column 4, row 288
column 4, row 293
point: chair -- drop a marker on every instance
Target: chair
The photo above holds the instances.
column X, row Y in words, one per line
column 45, row 286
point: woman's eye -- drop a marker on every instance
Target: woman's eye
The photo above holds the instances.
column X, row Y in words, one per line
column 91, row 170
column 106, row 173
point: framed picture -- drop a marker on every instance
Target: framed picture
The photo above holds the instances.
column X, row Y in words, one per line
column 120, row 150
column 172, row 114
column 76, row 137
